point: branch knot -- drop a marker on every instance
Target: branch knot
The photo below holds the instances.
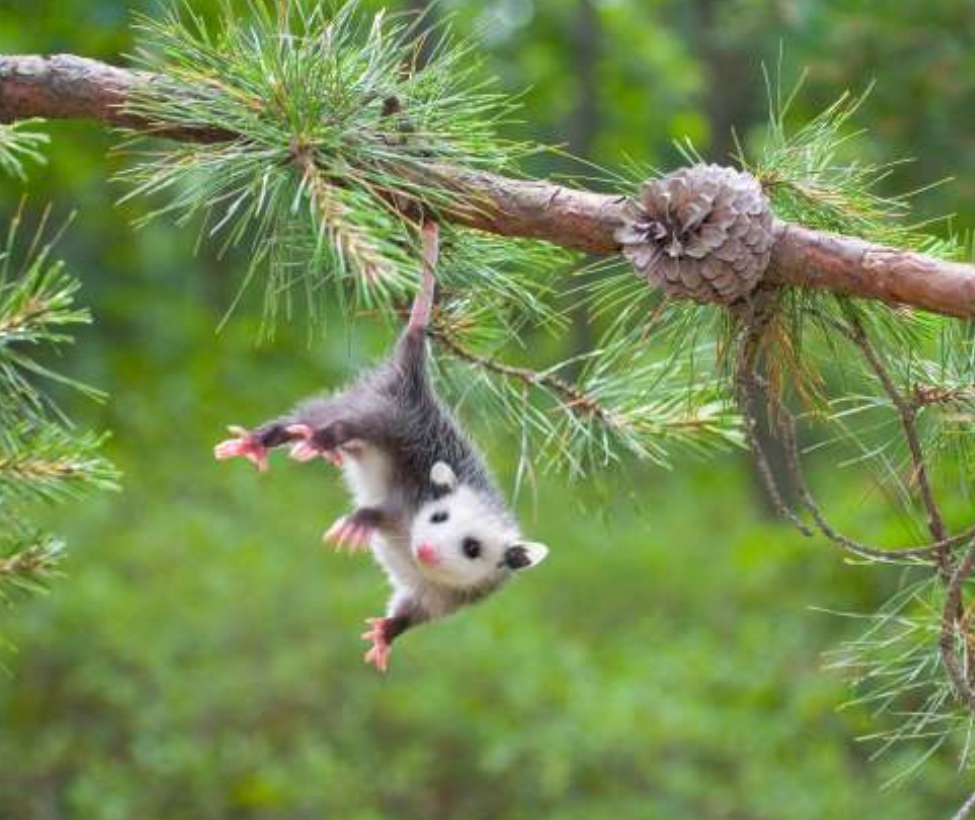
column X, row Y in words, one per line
column 703, row 233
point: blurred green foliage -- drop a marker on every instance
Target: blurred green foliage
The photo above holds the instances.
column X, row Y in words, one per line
column 201, row 659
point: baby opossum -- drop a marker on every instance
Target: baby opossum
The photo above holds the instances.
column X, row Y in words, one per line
column 425, row 502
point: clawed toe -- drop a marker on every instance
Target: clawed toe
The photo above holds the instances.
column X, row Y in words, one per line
column 378, row 654
column 243, row 445
column 306, row 450
column 303, row 451
column 227, row 449
column 347, row 532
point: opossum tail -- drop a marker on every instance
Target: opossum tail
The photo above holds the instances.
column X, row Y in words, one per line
column 423, row 303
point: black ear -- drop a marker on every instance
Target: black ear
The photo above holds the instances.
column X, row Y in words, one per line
column 524, row 554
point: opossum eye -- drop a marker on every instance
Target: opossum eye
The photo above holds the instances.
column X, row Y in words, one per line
column 471, row 547
column 439, row 517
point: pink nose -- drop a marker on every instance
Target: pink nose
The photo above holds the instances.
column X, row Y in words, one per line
column 427, row 554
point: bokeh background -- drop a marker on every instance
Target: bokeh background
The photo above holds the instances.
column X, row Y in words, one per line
column 200, row 659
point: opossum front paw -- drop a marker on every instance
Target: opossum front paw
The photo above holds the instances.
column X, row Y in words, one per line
column 378, row 655
column 350, row 531
column 339, row 436
column 243, row 445
column 306, row 449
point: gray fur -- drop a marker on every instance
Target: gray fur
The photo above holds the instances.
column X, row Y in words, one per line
column 425, row 502
column 396, row 409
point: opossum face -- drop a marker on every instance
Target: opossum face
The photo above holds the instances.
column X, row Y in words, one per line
column 463, row 541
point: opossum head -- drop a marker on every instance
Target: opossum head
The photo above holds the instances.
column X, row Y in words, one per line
column 465, row 540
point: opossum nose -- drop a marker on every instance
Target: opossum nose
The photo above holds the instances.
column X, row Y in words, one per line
column 427, row 554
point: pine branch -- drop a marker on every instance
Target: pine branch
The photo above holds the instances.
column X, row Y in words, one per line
column 897, row 671
column 68, row 87
column 348, row 239
column 618, row 407
column 41, row 460
column 929, row 395
column 908, row 417
column 786, row 428
column 18, row 143
column 28, row 564
column 570, row 396
column 36, row 308
column 334, row 115
column 48, row 464
column 919, row 647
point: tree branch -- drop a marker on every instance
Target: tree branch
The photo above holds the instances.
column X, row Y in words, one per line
column 65, row 87
column 786, row 428
column 572, row 397
column 69, row 87
column 908, row 417
column 750, row 387
column 949, row 623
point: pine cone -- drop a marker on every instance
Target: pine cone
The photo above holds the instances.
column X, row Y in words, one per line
column 702, row 233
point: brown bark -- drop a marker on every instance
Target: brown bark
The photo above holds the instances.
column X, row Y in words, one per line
column 65, row 87
column 535, row 209
column 848, row 265
column 68, row 87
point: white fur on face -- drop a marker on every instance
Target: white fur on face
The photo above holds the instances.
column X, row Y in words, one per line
column 469, row 519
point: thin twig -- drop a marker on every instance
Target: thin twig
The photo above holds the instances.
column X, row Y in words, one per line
column 787, row 429
column 949, row 620
column 966, row 808
column 572, row 397
column 908, row 417
column 926, row 395
column 934, row 549
column 755, row 318
column 765, row 471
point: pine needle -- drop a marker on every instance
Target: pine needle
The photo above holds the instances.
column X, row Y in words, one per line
column 42, row 460
column 19, row 143
column 335, row 128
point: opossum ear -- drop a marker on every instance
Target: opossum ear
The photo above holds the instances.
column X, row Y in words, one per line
column 525, row 554
column 443, row 476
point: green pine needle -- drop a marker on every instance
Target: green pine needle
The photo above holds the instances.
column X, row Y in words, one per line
column 812, row 179
column 42, row 460
column 621, row 406
column 51, row 464
column 895, row 670
column 37, row 310
column 19, row 143
column 28, row 562
column 335, row 130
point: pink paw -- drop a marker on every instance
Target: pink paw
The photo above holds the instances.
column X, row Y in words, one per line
column 244, row 445
column 305, row 450
column 348, row 532
column 378, row 655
